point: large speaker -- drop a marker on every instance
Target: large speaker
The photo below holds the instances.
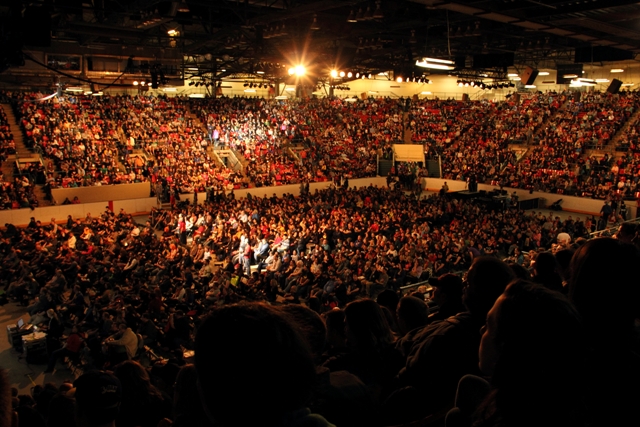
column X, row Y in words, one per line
column 528, row 76
column 614, row 87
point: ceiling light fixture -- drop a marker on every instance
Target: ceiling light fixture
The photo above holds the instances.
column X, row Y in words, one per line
column 378, row 14
column 352, row 17
column 314, row 24
column 617, row 70
column 183, row 7
column 299, row 70
column 436, row 64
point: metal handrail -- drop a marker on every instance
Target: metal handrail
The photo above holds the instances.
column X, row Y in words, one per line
column 609, row 231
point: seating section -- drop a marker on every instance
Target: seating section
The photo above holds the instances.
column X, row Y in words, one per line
column 123, row 139
column 473, row 138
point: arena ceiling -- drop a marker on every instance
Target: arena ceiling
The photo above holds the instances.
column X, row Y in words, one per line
column 233, row 38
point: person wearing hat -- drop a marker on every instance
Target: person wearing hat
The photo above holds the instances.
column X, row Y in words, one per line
column 98, row 396
column 446, row 296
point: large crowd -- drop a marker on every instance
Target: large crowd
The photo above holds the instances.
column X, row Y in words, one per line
column 16, row 191
column 297, row 302
column 473, row 138
column 123, row 139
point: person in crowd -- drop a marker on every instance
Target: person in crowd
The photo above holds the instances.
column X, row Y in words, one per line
column 446, row 297
column 530, row 334
column 98, row 397
column 187, row 404
column 614, row 364
column 268, row 366
column 451, row 344
column 371, row 354
column 123, row 344
column 70, row 349
column 143, row 405
column 412, row 315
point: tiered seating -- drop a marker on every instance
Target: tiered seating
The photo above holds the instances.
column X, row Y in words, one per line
column 556, row 162
column 155, row 139
column 7, row 143
column 628, row 141
column 162, row 129
column 77, row 137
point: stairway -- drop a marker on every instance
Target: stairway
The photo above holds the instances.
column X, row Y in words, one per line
column 384, row 167
column 613, row 142
column 21, row 148
column 22, row 152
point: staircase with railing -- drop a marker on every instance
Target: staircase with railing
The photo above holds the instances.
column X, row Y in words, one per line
column 23, row 156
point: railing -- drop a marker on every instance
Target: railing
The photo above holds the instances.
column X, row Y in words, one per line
column 408, row 288
column 610, row 231
column 232, row 160
column 294, row 155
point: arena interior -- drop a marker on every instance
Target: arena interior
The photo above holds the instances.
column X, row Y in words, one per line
column 299, row 213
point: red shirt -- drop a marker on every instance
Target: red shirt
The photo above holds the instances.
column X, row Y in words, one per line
column 74, row 342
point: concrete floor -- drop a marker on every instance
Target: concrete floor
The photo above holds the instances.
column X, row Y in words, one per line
column 21, row 374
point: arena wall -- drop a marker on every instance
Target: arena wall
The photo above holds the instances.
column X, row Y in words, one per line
column 142, row 205
column 579, row 205
column 103, row 193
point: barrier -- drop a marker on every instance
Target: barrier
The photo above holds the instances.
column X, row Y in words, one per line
column 21, row 217
column 142, row 205
column 575, row 204
column 102, row 193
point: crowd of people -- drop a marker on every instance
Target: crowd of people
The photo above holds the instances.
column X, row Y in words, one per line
column 123, row 139
column 473, row 138
column 557, row 161
column 113, row 295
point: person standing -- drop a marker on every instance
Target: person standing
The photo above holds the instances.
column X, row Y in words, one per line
column 605, row 213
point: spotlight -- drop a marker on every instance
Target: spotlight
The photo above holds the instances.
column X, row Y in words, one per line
column 246, row 84
column 135, row 83
column 341, row 73
column 349, row 74
column 300, row 70
column 358, row 75
column 192, row 83
column 333, row 73
column 291, row 71
column 399, row 79
column 142, row 83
